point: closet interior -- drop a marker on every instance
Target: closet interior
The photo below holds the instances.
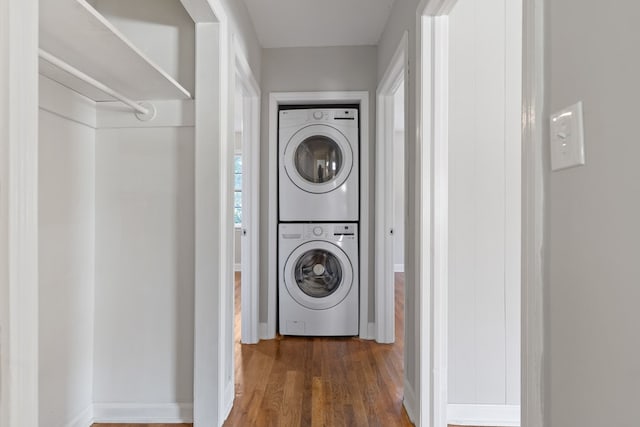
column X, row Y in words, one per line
column 116, row 207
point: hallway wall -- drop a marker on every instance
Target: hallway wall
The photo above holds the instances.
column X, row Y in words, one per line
column 592, row 314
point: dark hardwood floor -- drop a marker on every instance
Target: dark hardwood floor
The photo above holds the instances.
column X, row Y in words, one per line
column 304, row 381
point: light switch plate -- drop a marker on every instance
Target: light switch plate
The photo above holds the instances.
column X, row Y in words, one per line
column 567, row 138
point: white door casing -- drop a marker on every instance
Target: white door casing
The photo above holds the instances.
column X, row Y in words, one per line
column 19, row 213
column 395, row 74
column 213, row 317
column 250, row 233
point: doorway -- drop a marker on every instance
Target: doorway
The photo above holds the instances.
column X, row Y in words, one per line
column 246, row 172
column 469, row 113
column 390, row 189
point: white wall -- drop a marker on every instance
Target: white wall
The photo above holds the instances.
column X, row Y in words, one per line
column 144, row 267
column 66, row 254
column 592, row 314
column 303, row 70
column 161, row 29
column 484, row 206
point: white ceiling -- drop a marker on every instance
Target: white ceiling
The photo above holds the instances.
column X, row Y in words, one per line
column 298, row 23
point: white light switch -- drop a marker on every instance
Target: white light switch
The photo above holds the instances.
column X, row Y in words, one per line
column 567, row 138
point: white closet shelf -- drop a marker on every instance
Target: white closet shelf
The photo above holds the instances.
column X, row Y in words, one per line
column 75, row 32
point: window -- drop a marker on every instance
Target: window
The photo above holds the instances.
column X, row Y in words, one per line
column 237, row 190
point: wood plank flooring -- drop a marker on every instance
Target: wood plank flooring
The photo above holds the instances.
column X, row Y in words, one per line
column 299, row 381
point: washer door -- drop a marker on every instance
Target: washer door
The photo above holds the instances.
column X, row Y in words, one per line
column 318, row 159
column 318, row 275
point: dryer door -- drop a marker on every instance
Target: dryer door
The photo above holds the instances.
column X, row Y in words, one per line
column 318, row 275
column 318, row 158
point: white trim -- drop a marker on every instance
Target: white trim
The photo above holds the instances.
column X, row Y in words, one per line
column 431, row 187
column 411, row 404
column 263, row 329
column 533, row 217
column 213, row 325
column 440, row 232
column 19, row 215
column 484, row 415
column 229, row 396
column 237, row 267
column 398, row 268
column 250, row 234
column 395, row 74
column 205, row 11
column 142, row 413
column 84, row 419
column 291, row 98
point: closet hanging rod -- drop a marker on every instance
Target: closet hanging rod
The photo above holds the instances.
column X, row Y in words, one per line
column 93, row 82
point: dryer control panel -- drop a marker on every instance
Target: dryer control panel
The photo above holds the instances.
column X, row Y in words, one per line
column 346, row 116
column 325, row 231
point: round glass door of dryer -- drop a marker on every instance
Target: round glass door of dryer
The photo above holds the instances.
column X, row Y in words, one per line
column 318, row 159
column 318, row 275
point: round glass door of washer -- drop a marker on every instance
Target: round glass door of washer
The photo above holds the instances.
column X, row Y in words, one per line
column 318, row 275
column 318, row 159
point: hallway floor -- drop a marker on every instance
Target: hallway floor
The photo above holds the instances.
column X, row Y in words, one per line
column 298, row 381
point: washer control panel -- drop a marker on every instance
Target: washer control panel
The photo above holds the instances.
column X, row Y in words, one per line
column 334, row 232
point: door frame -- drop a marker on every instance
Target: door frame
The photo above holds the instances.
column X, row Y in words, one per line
column 430, row 110
column 213, row 382
column 250, row 233
column 19, row 212
column 268, row 330
column 534, row 221
column 396, row 73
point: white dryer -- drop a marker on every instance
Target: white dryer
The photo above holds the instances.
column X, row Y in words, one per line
column 318, row 284
column 318, row 173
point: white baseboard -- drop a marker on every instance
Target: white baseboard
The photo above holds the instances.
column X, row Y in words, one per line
column 410, row 402
column 262, row 330
column 143, row 413
column 229, row 396
column 84, row 419
column 484, row 415
column 237, row 267
column 398, row 268
column 371, row 331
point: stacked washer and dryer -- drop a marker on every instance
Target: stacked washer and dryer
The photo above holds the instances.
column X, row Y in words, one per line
column 318, row 208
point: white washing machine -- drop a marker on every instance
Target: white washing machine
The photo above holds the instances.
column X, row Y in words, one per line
column 318, row 284
column 318, row 158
